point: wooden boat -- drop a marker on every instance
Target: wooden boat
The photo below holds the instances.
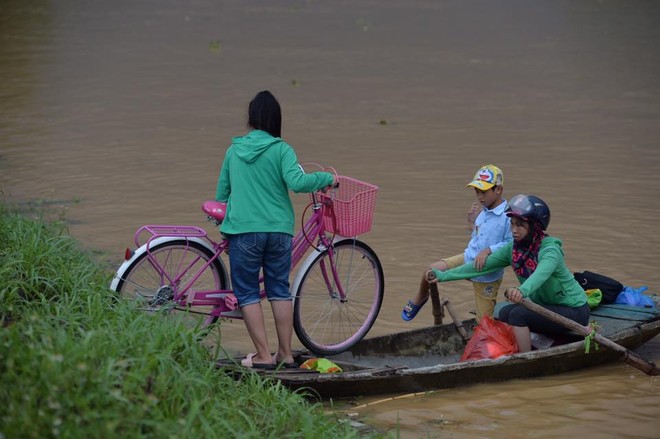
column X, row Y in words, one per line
column 428, row 358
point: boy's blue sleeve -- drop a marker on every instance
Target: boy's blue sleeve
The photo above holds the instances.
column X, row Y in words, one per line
column 508, row 237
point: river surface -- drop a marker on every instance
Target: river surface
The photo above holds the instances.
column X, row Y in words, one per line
column 118, row 113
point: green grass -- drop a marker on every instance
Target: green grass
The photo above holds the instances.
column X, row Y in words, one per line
column 77, row 362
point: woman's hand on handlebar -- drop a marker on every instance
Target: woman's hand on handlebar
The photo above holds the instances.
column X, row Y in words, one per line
column 333, row 185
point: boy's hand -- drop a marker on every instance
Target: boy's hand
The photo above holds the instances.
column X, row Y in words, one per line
column 472, row 214
column 480, row 260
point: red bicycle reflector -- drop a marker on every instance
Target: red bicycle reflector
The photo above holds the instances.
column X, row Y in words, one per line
column 128, row 254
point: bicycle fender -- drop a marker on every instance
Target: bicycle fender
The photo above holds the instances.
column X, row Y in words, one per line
column 122, row 269
column 307, row 262
column 301, row 271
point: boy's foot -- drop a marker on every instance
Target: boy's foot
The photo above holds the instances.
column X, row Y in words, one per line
column 410, row 310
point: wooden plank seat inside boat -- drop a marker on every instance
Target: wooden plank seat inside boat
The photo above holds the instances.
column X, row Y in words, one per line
column 613, row 318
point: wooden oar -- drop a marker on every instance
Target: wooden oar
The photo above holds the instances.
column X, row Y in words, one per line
column 628, row 356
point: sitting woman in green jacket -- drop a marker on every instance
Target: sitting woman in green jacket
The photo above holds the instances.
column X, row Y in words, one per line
column 538, row 262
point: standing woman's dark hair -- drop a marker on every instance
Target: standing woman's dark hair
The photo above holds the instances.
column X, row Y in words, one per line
column 264, row 114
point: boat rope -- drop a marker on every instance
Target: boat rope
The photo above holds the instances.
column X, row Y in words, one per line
column 590, row 338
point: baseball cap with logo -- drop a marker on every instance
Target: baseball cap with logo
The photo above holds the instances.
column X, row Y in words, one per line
column 487, row 177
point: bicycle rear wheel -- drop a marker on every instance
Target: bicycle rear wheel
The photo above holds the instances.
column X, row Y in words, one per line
column 154, row 281
column 324, row 322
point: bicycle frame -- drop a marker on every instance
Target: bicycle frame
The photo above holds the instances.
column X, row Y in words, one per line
column 313, row 227
column 337, row 285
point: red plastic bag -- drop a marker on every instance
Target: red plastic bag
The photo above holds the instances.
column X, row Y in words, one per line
column 491, row 339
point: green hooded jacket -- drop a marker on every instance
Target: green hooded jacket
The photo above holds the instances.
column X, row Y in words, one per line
column 256, row 175
column 552, row 283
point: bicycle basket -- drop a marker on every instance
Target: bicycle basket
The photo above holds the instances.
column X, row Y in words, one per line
column 352, row 207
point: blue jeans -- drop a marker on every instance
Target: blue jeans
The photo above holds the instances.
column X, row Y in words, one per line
column 248, row 254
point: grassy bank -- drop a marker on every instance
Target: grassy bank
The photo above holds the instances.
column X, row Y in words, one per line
column 77, row 362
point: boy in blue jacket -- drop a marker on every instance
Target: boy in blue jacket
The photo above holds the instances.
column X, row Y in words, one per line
column 491, row 231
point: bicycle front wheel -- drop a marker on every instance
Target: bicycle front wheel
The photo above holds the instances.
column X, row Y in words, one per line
column 326, row 322
column 155, row 279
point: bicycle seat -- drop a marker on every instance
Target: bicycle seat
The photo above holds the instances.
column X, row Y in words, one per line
column 215, row 209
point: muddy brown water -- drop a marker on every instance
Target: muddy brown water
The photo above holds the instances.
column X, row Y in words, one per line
column 118, row 113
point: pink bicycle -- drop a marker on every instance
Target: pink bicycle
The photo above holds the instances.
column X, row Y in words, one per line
column 337, row 290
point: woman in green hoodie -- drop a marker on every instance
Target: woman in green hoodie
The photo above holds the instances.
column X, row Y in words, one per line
column 257, row 173
column 538, row 262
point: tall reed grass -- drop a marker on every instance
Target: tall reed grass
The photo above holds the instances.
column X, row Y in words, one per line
column 76, row 362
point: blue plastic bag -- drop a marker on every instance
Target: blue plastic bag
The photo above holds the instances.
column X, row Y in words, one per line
column 634, row 297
